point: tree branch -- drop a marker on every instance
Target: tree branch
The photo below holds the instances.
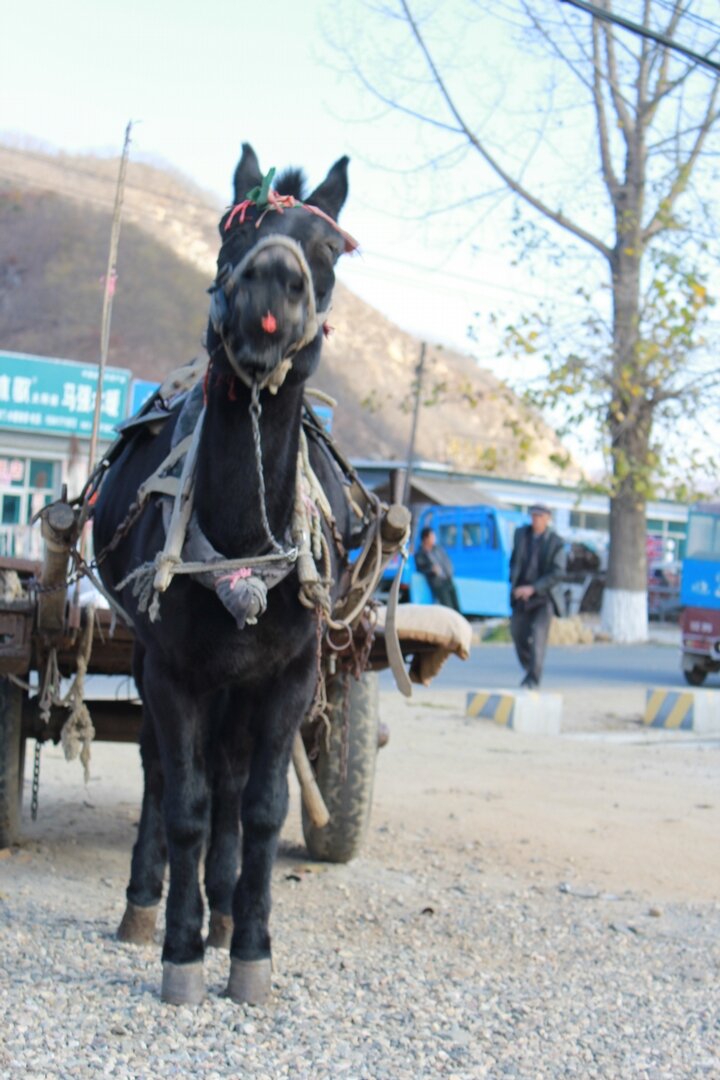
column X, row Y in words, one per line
column 393, row 104
column 609, row 176
column 626, row 122
column 660, row 220
column 514, row 185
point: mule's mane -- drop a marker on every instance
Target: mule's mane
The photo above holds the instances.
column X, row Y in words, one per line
column 291, row 181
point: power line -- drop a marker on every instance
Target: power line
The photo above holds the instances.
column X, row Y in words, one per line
column 643, row 31
column 689, row 16
column 439, row 276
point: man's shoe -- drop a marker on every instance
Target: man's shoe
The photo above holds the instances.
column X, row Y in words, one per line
column 529, row 683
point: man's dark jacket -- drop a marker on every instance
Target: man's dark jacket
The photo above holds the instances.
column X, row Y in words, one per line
column 551, row 565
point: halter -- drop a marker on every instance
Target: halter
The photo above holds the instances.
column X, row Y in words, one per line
column 266, row 199
column 227, row 282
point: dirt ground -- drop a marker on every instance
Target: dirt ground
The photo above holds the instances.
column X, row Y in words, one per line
column 606, row 807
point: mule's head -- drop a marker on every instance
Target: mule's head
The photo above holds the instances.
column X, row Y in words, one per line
column 276, row 272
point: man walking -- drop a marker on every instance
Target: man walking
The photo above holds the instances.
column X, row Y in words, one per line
column 536, row 564
column 435, row 564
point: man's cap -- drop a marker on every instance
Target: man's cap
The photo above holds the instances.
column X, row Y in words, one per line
column 540, row 508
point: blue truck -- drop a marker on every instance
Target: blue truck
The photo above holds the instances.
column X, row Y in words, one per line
column 700, row 594
column 479, row 541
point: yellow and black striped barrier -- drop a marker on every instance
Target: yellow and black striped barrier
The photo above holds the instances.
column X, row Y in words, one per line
column 492, row 706
column 525, row 711
column 673, row 709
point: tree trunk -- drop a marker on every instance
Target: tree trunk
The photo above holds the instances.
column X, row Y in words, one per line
column 624, row 608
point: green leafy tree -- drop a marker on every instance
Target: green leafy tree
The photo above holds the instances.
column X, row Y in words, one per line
column 636, row 222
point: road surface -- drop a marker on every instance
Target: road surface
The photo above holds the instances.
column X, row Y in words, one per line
column 568, row 667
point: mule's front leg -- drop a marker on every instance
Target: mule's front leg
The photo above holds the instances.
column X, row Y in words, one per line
column 180, row 725
column 264, row 808
column 230, row 755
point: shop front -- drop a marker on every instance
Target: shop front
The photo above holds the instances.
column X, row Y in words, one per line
column 46, row 418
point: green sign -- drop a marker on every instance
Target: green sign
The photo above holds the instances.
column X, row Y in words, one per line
column 58, row 396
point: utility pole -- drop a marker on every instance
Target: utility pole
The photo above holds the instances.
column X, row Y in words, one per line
column 110, row 281
column 419, row 371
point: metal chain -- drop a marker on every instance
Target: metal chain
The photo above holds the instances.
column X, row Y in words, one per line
column 255, row 413
column 35, row 781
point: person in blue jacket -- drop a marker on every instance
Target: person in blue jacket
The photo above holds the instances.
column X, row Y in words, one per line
column 536, row 564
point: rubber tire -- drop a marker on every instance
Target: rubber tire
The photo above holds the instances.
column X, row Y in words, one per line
column 348, row 800
column 11, row 761
column 695, row 676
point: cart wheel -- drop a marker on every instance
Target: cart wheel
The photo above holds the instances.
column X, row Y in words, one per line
column 696, row 676
column 11, row 761
column 348, row 798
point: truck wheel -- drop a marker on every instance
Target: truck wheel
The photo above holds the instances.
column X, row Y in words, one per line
column 11, row 761
column 696, row 676
column 348, row 797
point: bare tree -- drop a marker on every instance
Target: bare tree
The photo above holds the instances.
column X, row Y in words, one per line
column 652, row 115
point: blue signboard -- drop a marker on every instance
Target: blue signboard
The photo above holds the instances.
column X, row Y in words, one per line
column 58, row 396
column 142, row 389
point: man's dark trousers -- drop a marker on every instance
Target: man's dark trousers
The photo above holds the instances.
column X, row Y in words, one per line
column 529, row 627
column 444, row 592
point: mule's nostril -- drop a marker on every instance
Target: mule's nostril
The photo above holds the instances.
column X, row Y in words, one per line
column 269, row 322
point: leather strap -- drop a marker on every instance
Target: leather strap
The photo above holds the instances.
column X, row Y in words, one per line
column 392, row 643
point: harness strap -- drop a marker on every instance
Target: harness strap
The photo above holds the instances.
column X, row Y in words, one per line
column 182, row 510
column 392, row 641
column 254, row 575
column 159, row 481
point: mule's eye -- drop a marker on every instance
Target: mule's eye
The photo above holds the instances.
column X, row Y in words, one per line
column 295, row 286
column 332, row 250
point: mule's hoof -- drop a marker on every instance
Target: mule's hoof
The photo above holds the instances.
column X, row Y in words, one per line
column 183, row 984
column 219, row 931
column 137, row 926
column 249, row 981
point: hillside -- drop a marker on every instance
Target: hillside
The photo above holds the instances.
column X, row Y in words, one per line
column 55, row 214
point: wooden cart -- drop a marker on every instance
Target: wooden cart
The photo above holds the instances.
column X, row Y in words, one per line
column 342, row 758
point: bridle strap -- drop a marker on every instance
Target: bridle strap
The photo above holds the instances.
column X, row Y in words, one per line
column 225, row 284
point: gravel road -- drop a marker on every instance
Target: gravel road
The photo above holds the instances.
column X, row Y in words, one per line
column 524, row 907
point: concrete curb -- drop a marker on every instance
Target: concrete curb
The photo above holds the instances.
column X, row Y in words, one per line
column 528, row 711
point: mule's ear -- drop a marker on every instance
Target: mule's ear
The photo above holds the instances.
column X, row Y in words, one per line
column 330, row 196
column 247, row 173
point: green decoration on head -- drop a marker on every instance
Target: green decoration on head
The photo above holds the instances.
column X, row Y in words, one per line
column 259, row 194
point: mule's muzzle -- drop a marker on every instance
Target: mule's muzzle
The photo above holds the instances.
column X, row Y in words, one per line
column 264, row 309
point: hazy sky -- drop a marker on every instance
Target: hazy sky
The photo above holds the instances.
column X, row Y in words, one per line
column 199, row 79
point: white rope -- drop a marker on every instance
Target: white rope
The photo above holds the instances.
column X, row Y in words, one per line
column 78, row 731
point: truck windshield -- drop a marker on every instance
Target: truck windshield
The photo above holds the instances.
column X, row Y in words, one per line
column 703, row 540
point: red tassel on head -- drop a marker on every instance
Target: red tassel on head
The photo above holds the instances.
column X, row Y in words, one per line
column 269, row 322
